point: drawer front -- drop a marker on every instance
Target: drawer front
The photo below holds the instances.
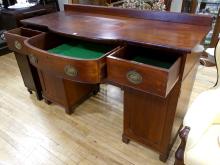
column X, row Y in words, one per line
column 16, row 43
column 77, row 69
column 87, row 71
column 142, row 77
column 15, row 39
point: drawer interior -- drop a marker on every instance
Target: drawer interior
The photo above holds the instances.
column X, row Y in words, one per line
column 71, row 47
column 149, row 56
column 81, row 49
column 24, row 32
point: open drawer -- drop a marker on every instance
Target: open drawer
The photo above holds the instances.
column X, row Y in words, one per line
column 78, row 60
column 149, row 70
column 15, row 38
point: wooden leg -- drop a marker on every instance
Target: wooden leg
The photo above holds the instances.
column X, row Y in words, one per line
column 47, row 101
column 39, row 96
column 69, row 110
column 125, row 139
column 76, row 93
column 96, row 89
column 163, row 157
column 30, row 91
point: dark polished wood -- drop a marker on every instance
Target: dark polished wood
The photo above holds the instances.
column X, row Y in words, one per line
column 15, row 40
column 145, row 118
column 153, row 95
column 10, row 18
column 141, row 14
column 16, row 37
column 118, row 25
column 57, row 86
column 29, row 75
column 155, row 80
column 88, row 71
column 64, row 92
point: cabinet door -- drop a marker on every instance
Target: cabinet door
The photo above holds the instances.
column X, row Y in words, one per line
column 144, row 117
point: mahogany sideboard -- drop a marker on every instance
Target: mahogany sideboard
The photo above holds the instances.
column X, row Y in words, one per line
column 152, row 56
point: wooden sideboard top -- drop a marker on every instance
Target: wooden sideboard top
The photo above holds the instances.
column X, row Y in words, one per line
column 174, row 31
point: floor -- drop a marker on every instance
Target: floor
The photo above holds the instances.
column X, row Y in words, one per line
column 34, row 133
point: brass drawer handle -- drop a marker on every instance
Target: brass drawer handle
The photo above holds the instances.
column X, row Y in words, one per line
column 70, row 71
column 33, row 59
column 18, row 45
column 134, row 77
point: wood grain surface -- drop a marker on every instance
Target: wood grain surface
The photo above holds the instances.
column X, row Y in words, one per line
column 161, row 34
column 161, row 29
column 32, row 132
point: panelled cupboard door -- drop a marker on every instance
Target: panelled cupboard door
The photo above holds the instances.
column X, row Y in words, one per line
column 146, row 119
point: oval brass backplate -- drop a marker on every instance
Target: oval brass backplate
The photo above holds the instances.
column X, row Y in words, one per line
column 70, row 71
column 33, row 59
column 18, row 45
column 134, row 77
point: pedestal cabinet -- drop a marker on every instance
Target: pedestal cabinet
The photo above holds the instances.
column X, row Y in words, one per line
column 150, row 55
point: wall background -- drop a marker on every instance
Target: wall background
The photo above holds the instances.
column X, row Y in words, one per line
column 176, row 5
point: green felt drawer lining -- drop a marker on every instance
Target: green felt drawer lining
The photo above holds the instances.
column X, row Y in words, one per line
column 84, row 50
column 81, row 50
column 153, row 61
